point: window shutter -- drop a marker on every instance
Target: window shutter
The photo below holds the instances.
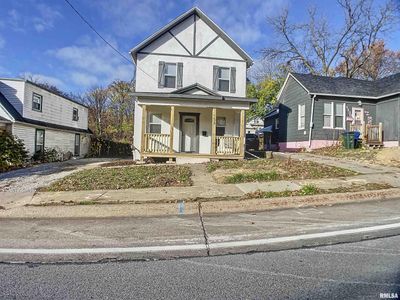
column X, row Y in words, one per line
column 179, row 80
column 233, row 80
column 161, row 72
column 215, row 78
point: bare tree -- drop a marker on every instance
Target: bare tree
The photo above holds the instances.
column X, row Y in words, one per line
column 97, row 99
column 122, row 105
column 381, row 62
column 316, row 48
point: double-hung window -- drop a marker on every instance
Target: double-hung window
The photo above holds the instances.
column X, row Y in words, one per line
column 334, row 115
column 170, row 75
column 328, row 118
column 221, row 123
column 223, row 79
column 39, row 140
column 37, row 101
column 339, row 115
column 75, row 114
column 155, row 123
column 301, row 122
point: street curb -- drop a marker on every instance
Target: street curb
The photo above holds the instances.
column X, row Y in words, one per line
column 85, row 255
column 191, row 208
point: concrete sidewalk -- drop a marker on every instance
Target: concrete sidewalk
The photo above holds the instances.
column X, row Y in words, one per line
column 226, row 233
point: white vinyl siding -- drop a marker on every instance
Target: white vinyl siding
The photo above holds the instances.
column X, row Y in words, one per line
column 301, row 123
column 334, row 115
column 55, row 109
column 57, row 139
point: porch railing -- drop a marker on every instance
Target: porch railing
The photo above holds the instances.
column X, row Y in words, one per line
column 156, row 142
column 228, row 145
column 374, row 134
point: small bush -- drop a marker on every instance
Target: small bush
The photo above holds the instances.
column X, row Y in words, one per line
column 48, row 155
column 308, row 189
column 12, row 152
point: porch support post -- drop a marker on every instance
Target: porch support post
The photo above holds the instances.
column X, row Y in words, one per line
column 144, row 125
column 242, row 131
column 380, row 134
column 171, row 129
column 213, row 130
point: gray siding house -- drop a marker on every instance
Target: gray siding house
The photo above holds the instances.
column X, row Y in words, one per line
column 313, row 111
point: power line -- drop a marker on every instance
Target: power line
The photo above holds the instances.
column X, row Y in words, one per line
column 105, row 41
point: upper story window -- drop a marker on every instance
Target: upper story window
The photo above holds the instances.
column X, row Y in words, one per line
column 170, row 75
column 224, row 79
column 301, row 123
column 37, row 101
column 75, row 114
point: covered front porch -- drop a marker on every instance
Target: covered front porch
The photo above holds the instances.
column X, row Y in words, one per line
column 185, row 131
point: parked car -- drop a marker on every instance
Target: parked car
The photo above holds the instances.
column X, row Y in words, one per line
column 252, row 141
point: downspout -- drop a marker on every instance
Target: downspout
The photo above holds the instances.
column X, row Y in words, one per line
column 311, row 121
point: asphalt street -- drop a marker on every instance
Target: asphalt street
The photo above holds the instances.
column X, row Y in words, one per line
column 360, row 270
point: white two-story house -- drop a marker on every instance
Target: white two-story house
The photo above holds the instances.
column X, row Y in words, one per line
column 43, row 119
column 190, row 98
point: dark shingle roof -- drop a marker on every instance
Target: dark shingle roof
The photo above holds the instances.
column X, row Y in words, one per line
column 348, row 86
column 17, row 117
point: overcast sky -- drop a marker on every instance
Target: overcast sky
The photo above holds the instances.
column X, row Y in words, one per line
column 46, row 39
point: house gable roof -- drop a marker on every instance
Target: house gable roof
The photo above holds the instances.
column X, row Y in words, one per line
column 197, row 12
column 346, row 87
column 191, row 89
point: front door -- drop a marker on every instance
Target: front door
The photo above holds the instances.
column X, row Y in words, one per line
column 190, row 135
column 77, row 150
column 358, row 118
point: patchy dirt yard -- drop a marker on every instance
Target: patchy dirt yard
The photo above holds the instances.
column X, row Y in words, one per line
column 272, row 169
column 106, row 178
column 385, row 156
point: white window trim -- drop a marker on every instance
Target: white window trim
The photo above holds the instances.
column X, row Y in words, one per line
column 333, row 115
column 277, row 123
column 299, row 127
column 229, row 78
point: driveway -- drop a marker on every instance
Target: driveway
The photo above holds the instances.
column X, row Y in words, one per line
column 29, row 179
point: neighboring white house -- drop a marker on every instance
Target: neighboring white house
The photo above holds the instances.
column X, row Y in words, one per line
column 43, row 119
column 190, row 98
column 254, row 124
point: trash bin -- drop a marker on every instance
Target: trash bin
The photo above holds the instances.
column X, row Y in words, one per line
column 348, row 140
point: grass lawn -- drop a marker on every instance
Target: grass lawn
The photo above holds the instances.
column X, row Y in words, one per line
column 272, row 169
column 124, row 178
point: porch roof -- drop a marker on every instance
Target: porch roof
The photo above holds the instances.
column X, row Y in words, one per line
column 173, row 96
